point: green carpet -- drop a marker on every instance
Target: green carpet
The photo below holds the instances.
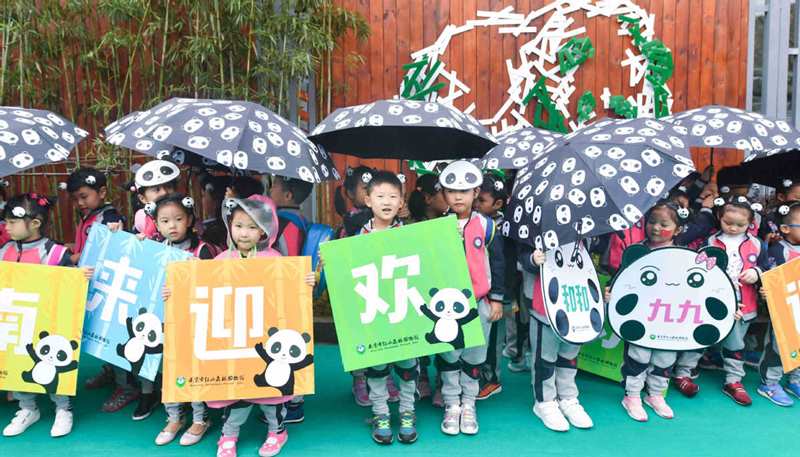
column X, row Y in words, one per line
column 710, row 424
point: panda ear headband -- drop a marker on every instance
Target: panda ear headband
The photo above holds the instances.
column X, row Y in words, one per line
column 739, row 201
column 151, row 208
column 787, row 208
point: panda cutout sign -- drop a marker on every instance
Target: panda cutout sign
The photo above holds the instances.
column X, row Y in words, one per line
column 672, row 298
column 572, row 295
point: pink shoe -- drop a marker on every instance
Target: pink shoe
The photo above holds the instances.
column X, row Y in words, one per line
column 226, row 446
column 273, row 444
column 633, row 405
column 659, row 405
column 438, row 400
column 360, row 392
column 394, row 393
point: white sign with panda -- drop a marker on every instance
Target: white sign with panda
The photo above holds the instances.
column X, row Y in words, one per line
column 572, row 296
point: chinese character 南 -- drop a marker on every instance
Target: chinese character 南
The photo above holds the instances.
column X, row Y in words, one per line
column 245, row 324
column 369, row 289
column 17, row 323
column 115, row 284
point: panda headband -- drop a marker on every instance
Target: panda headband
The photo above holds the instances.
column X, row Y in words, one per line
column 155, row 173
column 739, row 201
column 683, row 213
column 461, row 175
column 787, row 208
column 187, row 202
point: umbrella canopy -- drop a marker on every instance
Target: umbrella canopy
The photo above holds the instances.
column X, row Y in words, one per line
column 773, row 167
column 725, row 127
column 403, row 129
column 596, row 180
column 33, row 137
column 518, row 148
column 237, row 134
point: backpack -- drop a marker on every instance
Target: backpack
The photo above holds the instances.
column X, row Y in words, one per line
column 313, row 235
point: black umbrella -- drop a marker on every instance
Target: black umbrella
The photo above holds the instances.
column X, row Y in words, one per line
column 725, row 127
column 596, row 180
column 32, row 137
column 237, row 134
column 773, row 167
column 403, row 129
column 518, row 148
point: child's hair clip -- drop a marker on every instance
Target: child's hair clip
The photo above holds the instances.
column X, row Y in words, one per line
column 756, row 207
column 150, row 209
column 230, row 204
column 683, row 213
column 62, row 186
column 18, row 212
column 498, row 185
column 90, row 180
column 132, row 188
column 724, row 189
column 741, row 199
column 719, row 201
column 401, row 177
column 366, row 177
column 348, row 171
column 188, row 202
column 787, row 183
column 783, row 210
column 437, row 187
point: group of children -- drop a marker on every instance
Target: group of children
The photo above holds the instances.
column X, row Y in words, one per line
column 242, row 222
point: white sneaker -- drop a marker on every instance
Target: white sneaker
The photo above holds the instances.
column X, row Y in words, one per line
column 62, row 425
column 575, row 413
column 551, row 416
column 469, row 420
column 450, row 423
column 23, row 419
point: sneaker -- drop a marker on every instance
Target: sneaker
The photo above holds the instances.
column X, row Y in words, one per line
column 438, row 400
column 360, row 392
column 120, row 398
column 575, row 413
column 226, row 446
column 382, row 429
column 489, row 389
column 793, row 388
column 102, row 379
column 694, row 373
column 273, row 444
column 686, row 386
column 510, row 352
column 551, row 416
column 394, row 392
column 736, row 391
column 195, row 433
column 62, row 425
column 23, row 419
column 711, row 361
column 659, row 405
column 775, row 394
column 407, row 433
column 168, row 433
column 469, row 420
column 424, row 386
column 294, row 413
column 633, row 405
column 451, row 422
column 147, row 403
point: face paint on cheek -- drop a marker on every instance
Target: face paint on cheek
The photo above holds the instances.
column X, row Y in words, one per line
column 665, row 233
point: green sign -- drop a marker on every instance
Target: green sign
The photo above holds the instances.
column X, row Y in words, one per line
column 401, row 293
column 603, row 356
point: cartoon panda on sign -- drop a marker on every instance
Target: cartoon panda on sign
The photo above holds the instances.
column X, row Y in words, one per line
column 146, row 336
column 52, row 356
column 285, row 353
column 450, row 313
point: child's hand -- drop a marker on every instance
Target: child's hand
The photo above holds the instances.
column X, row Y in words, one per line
column 749, row 276
column 763, row 292
column 114, row 226
column 738, row 315
column 708, row 201
column 140, row 236
column 607, row 294
column 310, row 279
column 538, row 257
column 74, row 258
column 404, row 213
column 496, row 312
column 166, row 292
column 321, row 260
column 88, row 272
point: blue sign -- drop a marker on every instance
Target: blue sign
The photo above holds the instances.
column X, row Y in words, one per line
column 124, row 309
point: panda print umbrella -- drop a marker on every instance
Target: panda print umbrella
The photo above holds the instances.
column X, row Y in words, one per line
column 596, row 180
column 719, row 126
column 237, row 134
column 518, row 148
column 403, row 129
column 33, row 137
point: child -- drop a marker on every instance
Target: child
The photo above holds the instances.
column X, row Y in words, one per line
column 460, row 368
column 289, row 194
column 385, row 198
column 747, row 259
column 3, row 233
column 87, row 188
column 554, row 363
column 243, row 187
column 152, row 181
column 252, row 230
column 212, row 229
column 651, row 367
column 174, row 216
column 26, row 218
column 426, row 202
column 770, row 367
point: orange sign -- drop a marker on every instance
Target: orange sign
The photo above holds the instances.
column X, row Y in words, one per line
column 238, row 329
column 783, row 299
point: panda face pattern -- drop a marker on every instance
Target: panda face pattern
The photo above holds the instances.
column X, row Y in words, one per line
column 22, row 160
column 578, row 177
column 31, row 138
column 147, row 328
column 287, row 346
column 548, row 170
column 586, row 225
column 412, row 119
column 568, row 165
column 680, row 170
column 225, row 157
column 518, row 214
column 192, row 125
column 713, row 140
column 198, row 142
column 629, row 185
column 162, row 132
column 537, row 214
column 306, row 174
column 618, row 222
column 655, row 186
column 631, row 165
column 55, row 350
column 631, row 213
column 276, row 163
column 576, row 197
column 607, row 171
column 572, row 296
column 698, row 130
column 597, row 197
column 716, row 123
column 541, row 187
column 217, row 123
column 592, row 152
column 699, row 300
column 651, row 157
column 557, row 192
column 240, row 160
column 550, row 239
column 563, row 215
column 230, row 133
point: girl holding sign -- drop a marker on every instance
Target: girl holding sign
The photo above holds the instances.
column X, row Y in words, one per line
column 26, row 218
